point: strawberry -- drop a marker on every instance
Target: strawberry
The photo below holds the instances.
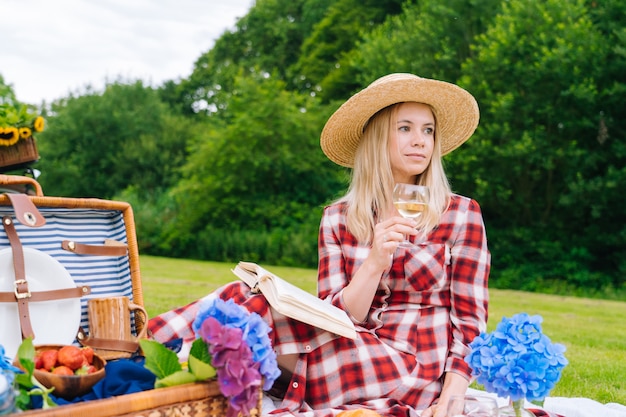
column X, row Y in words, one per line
column 62, row 370
column 38, row 361
column 71, row 356
column 88, row 354
column 49, row 359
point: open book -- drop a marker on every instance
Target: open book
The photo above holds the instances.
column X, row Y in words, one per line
column 294, row 302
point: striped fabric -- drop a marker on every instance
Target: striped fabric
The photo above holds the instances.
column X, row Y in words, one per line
column 106, row 275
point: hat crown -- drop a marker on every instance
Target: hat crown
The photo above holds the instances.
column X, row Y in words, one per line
column 398, row 76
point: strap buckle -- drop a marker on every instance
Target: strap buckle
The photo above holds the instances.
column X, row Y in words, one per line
column 21, row 295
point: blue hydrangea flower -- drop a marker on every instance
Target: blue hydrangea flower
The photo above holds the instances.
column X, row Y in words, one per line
column 240, row 345
column 5, row 362
column 517, row 360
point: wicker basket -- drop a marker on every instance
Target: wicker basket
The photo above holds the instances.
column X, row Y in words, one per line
column 98, row 205
column 191, row 400
column 22, row 153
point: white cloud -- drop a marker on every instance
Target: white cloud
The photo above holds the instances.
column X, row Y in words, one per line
column 51, row 48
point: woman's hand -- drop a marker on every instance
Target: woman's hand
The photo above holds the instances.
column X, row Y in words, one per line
column 435, row 410
column 454, row 384
column 388, row 234
column 359, row 293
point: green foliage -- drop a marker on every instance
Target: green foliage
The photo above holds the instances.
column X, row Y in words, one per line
column 226, row 164
column 324, row 64
column 431, row 39
column 164, row 364
column 259, row 171
column 151, row 212
column 97, row 144
column 27, row 385
column 536, row 73
column 12, row 112
column 267, row 39
column 159, row 359
column 294, row 246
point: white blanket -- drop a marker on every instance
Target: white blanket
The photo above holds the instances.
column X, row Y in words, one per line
column 569, row 407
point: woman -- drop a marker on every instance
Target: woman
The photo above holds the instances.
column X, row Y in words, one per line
column 415, row 307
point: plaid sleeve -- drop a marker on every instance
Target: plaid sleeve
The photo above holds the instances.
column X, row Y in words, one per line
column 470, row 265
column 334, row 267
column 331, row 268
column 174, row 324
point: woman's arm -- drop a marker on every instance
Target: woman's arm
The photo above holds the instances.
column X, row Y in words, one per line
column 469, row 294
column 355, row 294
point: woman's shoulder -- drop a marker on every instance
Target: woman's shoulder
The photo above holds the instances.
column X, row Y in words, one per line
column 462, row 203
column 337, row 207
column 335, row 214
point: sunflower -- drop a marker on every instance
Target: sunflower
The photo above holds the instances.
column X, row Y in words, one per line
column 9, row 136
column 25, row 132
column 39, row 123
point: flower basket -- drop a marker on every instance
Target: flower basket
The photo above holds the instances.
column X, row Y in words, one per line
column 18, row 126
column 23, row 152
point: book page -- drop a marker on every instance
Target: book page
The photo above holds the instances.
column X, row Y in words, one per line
column 295, row 302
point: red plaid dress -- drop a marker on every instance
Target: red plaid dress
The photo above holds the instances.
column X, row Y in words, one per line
column 429, row 305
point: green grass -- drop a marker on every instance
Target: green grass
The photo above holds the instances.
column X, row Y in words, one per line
column 593, row 331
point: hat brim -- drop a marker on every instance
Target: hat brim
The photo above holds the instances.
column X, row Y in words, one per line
column 456, row 113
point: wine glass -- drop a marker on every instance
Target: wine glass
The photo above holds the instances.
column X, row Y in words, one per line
column 411, row 201
column 472, row 406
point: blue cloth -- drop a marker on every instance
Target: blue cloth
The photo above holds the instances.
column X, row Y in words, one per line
column 123, row 376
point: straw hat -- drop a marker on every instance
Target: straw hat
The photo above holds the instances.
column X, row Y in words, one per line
column 456, row 113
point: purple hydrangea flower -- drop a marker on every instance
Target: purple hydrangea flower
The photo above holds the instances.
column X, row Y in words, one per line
column 241, row 351
column 517, row 360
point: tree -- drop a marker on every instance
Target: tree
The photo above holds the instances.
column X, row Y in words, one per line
column 320, row 67
column 254, row 188
column 431, row 39
column 7, row 95
column 98, row 144
column 536, row 73
column 267, row 39
column 261, row 169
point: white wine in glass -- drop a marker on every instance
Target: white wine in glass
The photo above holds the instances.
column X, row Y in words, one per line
column 410, row 210
column 410, row 200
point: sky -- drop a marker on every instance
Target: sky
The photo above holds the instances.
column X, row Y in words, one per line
column 51, row 48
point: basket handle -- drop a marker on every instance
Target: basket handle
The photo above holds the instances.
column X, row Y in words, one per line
column 21, row 180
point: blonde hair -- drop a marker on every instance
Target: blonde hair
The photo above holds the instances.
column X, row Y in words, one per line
column 371, row 186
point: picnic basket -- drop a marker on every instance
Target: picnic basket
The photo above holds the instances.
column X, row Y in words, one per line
column 201, row 399
column 87, row 223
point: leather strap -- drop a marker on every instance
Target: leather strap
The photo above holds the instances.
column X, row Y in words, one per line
column 107, row 344
column 22, row 292
column 6, row 297
column 25, row 211
column 101, row 250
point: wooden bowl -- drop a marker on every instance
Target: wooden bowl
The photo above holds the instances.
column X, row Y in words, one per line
column 70, row 386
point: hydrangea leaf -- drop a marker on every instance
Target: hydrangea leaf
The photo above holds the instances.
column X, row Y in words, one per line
column 177, row 378
column 200, row 360
column 161, row 361
column 201, row 370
